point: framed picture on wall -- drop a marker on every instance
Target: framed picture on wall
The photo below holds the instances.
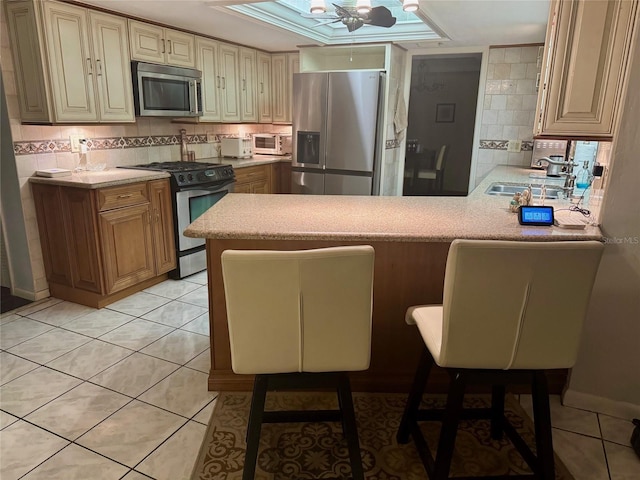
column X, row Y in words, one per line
column 445, row 112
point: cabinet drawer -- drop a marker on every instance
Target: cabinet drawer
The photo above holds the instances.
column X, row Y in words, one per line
column 122, row 196
column 252, row 174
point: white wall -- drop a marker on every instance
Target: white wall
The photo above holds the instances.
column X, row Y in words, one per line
column 606, row 377
column 14, row 235
column 509, row 107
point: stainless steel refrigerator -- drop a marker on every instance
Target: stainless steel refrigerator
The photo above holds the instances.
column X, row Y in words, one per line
column 337, row 133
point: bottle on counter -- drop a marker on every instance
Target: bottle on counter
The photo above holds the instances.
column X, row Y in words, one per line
column 583, row 179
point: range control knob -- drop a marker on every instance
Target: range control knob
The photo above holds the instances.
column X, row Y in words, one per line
column 181, row 178
column 190, row 177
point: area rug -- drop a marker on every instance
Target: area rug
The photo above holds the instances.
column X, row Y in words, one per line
column 301, row 451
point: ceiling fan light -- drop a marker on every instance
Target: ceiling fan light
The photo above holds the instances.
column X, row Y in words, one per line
column 318, row 6
column 363, row 6
column 410, row 5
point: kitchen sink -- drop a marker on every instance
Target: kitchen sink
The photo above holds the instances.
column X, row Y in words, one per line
column 509, row 189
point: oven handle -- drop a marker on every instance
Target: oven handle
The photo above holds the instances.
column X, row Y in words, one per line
column 211, row 188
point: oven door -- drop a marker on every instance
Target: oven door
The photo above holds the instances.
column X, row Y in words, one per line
column 190, row 204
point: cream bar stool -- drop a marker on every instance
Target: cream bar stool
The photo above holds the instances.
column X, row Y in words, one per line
column 510, row 311
column 300, row 319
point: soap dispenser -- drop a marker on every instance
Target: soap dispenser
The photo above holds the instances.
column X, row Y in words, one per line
column 583, row 179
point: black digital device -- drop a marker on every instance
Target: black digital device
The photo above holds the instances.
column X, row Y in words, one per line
column 535, row 215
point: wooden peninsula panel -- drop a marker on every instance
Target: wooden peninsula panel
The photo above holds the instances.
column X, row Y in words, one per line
column 406, row 274
column 411, row 237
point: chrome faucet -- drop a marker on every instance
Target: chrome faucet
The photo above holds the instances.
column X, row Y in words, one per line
column 554, row 164
column 570, row 179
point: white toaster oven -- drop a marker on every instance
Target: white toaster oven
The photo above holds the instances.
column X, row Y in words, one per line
column 271, row 144
column 236, row 147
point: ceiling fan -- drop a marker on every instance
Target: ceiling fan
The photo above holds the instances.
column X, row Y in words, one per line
column 353, row 20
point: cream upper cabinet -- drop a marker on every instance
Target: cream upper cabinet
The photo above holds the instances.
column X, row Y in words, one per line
column 33, row 87
column 584, row 66
column 283, row 66
column 293, row 66
column 112, row 67
column 70, row 61
column 154, row 44
column 207, row 62
column 72, row 64
column 279, row 87
column 247, row 86
column 264, row 88
column 229, row 75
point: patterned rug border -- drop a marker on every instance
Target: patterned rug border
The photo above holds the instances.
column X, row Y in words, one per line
column 310, row 451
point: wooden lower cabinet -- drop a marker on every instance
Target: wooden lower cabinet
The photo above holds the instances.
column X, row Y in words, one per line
column 107, row 243
column 253, row 179
column 162, row 226
column 267, row 178
column 127, row 246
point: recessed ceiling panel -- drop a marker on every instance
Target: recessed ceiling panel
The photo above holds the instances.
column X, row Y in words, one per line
column 332, row 28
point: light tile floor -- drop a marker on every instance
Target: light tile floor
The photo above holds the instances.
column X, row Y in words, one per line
column 121, row 393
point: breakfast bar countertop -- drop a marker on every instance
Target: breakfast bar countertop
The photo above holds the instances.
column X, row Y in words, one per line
column 380, row 218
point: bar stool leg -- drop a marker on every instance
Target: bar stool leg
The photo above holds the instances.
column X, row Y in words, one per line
column 542, row 423
column 349, row 426
column 255, row 426
column 497, row 411
column 449, row 430
column 409, row 417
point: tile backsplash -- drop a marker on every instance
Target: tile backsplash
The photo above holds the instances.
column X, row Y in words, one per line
column 509, row 107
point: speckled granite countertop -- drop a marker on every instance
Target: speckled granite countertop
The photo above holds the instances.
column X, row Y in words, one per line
column 106, row 178
column 247, row 162
column 359, row 218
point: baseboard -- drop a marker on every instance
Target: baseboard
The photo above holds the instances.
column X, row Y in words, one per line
column 29, row 295
column 594, row 403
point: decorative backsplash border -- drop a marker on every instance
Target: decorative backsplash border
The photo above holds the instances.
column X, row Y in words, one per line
column 527, row 145
column 31, row 147
column 107, row 143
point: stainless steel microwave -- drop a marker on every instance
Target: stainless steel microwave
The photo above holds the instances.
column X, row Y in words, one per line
column 166, row 91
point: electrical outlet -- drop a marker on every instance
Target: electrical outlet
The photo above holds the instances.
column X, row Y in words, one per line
column 75, row 142
column 514, row 146
column 211, row 137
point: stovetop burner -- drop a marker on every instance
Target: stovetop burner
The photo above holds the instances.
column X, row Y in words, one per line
column 179, row 166
column 190, row 174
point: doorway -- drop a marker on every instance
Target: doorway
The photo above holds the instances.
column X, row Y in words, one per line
column 442, row 114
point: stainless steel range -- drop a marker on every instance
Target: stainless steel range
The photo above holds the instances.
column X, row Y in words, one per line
column 195, row 187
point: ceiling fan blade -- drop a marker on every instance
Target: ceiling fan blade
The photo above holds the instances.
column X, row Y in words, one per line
column 343, row 12
column 353, row 24
column 319, row 17
column 379, row 17
column 328, row 22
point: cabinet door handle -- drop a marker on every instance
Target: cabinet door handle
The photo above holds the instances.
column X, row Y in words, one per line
column 218, row 81
column 169, row 42
column 244, row 84
column 126, row 195
column 261, row 87
column 89, row 67
column 163, row 49
column 99, row 67
column 224, row 83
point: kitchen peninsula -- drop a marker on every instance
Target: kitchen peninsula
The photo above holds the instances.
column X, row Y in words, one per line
column 411, row 238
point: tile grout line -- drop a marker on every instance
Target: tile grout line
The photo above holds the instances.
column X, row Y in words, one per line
column 131, row 400
column 604, row 449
